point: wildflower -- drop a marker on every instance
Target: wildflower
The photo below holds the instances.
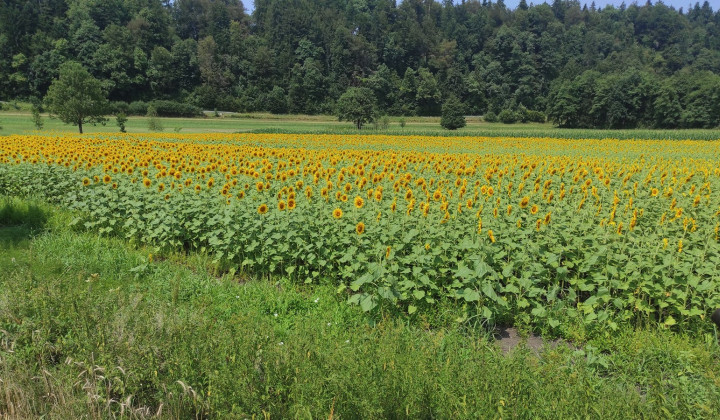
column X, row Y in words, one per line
column 337, row 213
column 360, row 228
column 262, row 209
column 359, row 202
column 524, row 202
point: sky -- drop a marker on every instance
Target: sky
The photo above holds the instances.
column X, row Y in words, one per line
column 685, row 4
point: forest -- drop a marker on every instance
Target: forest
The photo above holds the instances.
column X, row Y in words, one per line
column 638, row 65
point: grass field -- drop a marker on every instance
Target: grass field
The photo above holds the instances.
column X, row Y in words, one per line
column 20, row 122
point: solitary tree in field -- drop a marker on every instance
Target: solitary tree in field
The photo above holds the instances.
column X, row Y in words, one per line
column 76, row 97
column 358, row 105
column 453, row 116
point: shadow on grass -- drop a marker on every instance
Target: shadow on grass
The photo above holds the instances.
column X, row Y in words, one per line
column 19, row 220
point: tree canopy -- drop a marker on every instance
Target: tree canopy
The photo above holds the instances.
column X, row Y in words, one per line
column 358, row 105
column 76, row 97
column 654, row 65
column 453, row 116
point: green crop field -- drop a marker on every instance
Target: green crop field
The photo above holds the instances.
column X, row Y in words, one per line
column 21, row 122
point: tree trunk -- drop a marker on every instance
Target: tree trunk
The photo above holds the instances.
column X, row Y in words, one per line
column 80, row 125
column 359, row 124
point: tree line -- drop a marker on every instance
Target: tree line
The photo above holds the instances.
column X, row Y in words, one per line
column 646, row 65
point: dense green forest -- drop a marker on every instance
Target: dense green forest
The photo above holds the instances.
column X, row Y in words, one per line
column 643, row 65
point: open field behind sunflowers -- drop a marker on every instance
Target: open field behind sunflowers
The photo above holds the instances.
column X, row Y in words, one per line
column 545, row 232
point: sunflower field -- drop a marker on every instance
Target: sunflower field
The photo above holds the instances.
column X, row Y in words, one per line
column 537, row 230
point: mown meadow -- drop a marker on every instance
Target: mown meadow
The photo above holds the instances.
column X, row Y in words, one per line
column 604, row 243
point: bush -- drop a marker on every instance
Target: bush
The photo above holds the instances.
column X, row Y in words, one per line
column 175, row 109
column 120, row 120
column 490, row 117
column 37, row 119
column 535, row 116
column 137, row 108
column 117, row 107
column 154, row 123
column 507, row 116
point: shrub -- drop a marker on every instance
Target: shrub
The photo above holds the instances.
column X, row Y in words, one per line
column 535, row 116
column 154, row 123
column 490, row 117
column 507, row 116
column 175, row 109
column 120, row 120
column 137, row 108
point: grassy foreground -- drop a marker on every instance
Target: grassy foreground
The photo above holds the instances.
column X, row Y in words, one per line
column 21, row 122
column 92, row 328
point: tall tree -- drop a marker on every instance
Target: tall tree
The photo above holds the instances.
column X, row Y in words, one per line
column 76, row 97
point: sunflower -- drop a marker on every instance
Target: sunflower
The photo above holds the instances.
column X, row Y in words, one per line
column 387, row 252
column 161, row 187
column 167, row 197
column 359, row 202
column 114, row 185
column 147, row 182
column 291, row 204
column 408, row 195
column 259, row 186
column 437, row 195
column 491, row 235
column 86, row 181
column 262, row 209
column 360, row 228
column 547, row 218
column 509, row 209
column 534, row 209
column 107, row 179
column 337, row 213
column 378, row 195
column 211, row 182
column 344, row 198
column 524, row 202
column 281, row 205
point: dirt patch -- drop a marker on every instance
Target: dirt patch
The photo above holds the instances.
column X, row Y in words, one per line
column 508, row 339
